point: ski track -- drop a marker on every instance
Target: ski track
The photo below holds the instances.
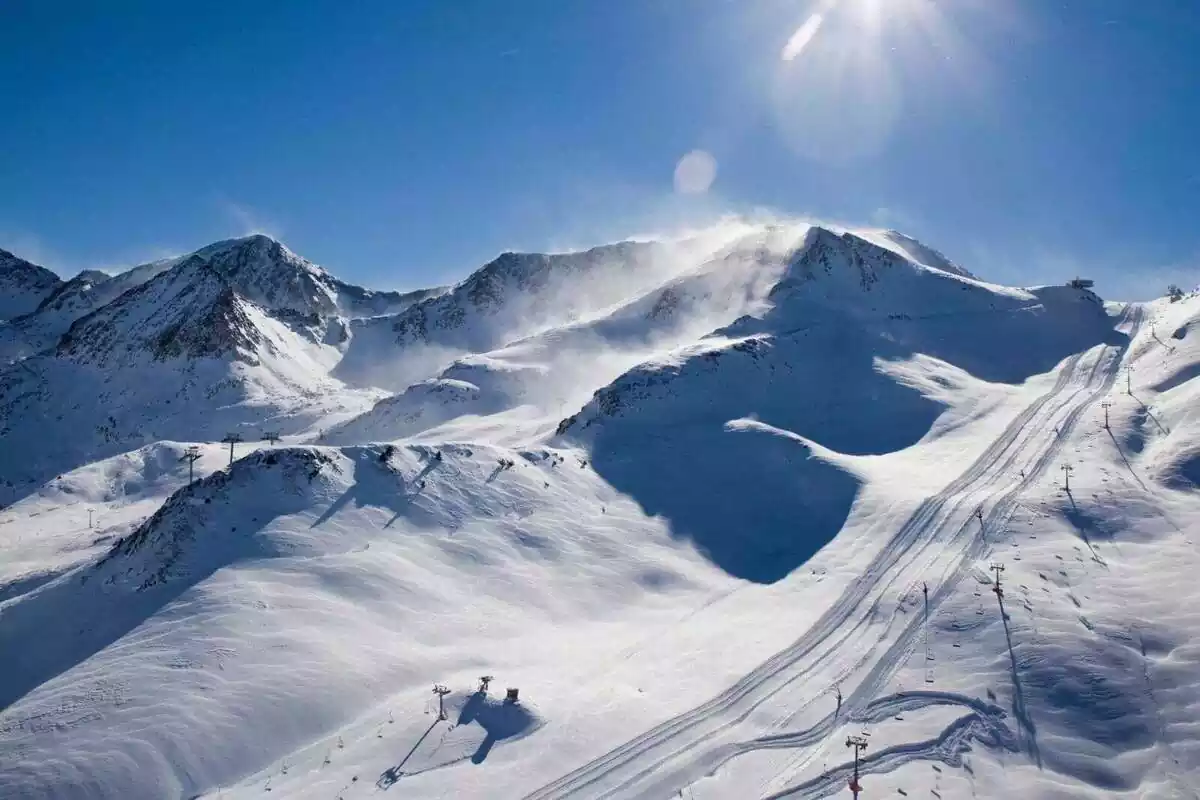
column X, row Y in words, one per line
column 835, row 631
column 947, row 748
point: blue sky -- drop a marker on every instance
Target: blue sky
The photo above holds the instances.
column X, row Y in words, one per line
column 405, row 143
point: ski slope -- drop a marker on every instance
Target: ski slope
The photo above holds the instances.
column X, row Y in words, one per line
column 935, row 546
column 693, row 519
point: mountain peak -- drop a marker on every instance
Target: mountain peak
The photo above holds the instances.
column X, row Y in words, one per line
column 251, row 240
column 23, row 285
column 268, row 274
column 841, row 257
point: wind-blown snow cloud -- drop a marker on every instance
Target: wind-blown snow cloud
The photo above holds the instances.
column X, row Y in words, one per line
column 894, row 218
column 249, row 221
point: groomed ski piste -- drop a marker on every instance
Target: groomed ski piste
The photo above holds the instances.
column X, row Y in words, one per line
column 775, row 520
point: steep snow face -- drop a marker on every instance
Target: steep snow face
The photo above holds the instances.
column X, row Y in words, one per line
column 913, row 250
column 23, row 285
column 269, row 275
column 1162, row 390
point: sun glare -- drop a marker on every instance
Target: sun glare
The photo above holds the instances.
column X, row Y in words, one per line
column 849, row 67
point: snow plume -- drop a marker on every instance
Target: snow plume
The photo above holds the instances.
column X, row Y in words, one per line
column 249, row 222
column 552, row 373
column 516, row 296
column 373, row 359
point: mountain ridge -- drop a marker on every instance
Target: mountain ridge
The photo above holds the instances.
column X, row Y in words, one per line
column 786, row 457
column 23, row 285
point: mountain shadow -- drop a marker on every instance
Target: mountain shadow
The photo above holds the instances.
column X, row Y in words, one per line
column 828, row 371
column 56, row 626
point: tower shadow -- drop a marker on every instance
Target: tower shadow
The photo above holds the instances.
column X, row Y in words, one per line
column 1146, row 410
column 393, row 774
column 1121, row 452
column 1020, row 709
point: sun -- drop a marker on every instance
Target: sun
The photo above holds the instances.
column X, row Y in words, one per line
column 849, row 67
column 922, row 22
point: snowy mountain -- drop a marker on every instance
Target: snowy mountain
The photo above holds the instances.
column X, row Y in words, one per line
column 23, row 285
column 868, row 324
column 240, row 333
column 556, row 370
column 514, row 296
column 89, row 290
column 271, row 276
column 785, row 487
column 306, row 290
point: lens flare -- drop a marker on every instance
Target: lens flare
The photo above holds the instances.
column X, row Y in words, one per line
column 695, row 172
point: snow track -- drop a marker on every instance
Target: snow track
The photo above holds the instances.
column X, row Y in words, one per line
column 878, row 710
column 940, row 544
column 947, row 748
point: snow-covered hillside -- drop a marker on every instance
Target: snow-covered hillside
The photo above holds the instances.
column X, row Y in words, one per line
column 237, row 337
column 709, row 521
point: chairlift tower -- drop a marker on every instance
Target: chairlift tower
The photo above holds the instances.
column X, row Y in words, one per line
column 483, row 683
column 271, row 437
column 997, row 568
column 191, row 455
column 1106, row 405
column 441, row 692
column 1067, row 470
column 231, row 439
column 859, row 743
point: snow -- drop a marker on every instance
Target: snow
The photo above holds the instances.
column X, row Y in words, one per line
column 692, row 519
column 553, row 372
column 235, row 337
column 23, row 285
column 519, row 295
